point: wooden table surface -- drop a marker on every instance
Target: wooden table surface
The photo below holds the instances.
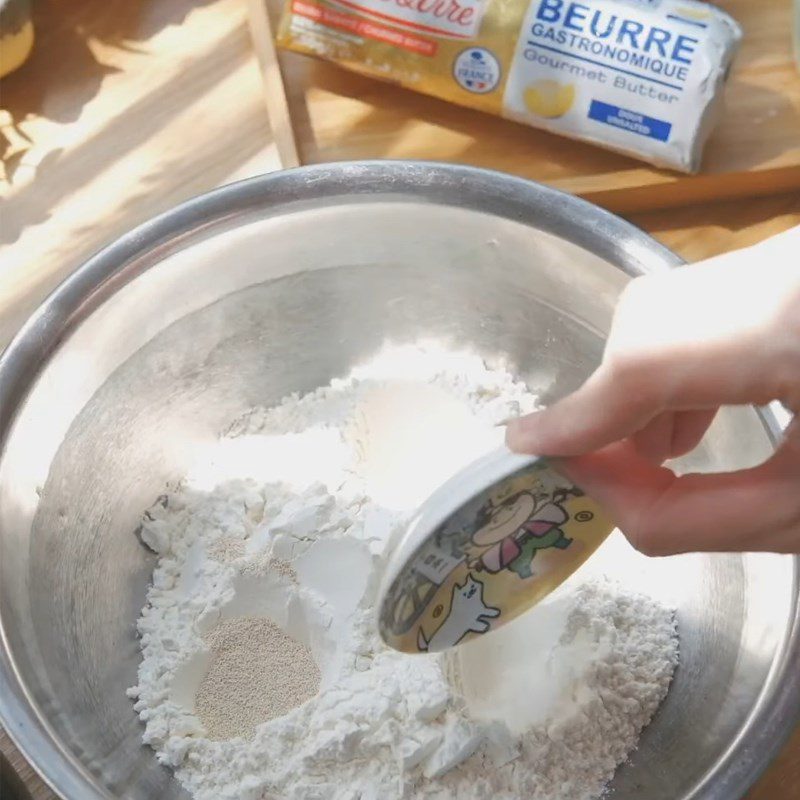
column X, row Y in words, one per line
column 126, row 109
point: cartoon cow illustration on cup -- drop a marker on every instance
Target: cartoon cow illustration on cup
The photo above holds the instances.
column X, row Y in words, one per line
column 513, row 530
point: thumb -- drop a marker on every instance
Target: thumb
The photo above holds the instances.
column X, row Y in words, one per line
column 755, row 509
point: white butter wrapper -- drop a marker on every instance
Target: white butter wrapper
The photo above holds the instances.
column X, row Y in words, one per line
column 643, row 78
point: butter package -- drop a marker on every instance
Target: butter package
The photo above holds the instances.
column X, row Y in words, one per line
column 642, row 77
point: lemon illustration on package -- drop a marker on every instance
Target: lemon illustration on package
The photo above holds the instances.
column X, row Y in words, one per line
column 549, row 98
column 489, row 544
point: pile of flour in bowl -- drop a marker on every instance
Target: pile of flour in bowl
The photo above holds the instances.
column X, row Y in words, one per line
column 262, row 675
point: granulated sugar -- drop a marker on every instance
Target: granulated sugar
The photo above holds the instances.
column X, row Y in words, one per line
column 270, row 555
column 257, row 672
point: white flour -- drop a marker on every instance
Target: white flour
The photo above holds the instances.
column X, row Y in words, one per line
column 282, row 526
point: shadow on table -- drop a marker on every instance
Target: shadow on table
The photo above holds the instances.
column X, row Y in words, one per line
column 62, row 73
column 11, row 785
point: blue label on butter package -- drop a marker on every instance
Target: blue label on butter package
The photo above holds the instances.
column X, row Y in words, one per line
column 629, row 120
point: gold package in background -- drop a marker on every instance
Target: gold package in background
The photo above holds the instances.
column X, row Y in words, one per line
column 642, row 77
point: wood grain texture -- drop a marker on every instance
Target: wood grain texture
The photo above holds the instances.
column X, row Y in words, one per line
column 156, row 100
column 151, row 103
column 37, row 788
column 279, row 115
column 698, row 232
column 755, row 149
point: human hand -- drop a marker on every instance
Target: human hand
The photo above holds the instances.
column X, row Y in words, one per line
column 682, row 344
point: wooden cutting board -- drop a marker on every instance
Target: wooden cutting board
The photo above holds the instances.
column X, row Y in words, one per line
column 755, row 149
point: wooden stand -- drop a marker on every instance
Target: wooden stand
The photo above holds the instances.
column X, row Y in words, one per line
column 754, row 150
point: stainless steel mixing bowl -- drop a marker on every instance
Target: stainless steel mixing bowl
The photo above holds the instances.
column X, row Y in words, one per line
column 276, row 285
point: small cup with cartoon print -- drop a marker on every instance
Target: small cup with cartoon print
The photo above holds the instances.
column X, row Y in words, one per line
column 486, row 546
